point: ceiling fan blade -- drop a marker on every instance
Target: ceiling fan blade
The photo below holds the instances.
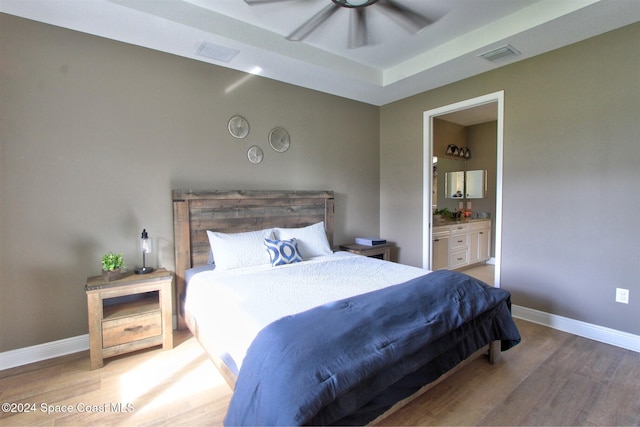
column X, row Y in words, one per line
column 407, row 18
column 305, row 29
column 358, row 35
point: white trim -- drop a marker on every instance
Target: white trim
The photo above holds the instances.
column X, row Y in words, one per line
column 427, row 175
column 49, row 350
column 37, row 353
column 427, row 188
column 577, row 327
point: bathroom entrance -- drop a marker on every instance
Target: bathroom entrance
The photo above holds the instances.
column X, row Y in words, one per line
column 463, row 115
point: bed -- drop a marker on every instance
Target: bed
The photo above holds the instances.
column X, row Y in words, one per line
column 308, row 336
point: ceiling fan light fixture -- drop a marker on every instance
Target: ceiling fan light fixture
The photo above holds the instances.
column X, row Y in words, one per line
column 354, row 3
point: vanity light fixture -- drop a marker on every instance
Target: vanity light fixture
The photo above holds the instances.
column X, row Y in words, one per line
column 459, row 153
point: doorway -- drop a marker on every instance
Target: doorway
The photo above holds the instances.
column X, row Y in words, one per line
column 466, row 106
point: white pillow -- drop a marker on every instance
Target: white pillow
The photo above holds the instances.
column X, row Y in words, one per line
column 312, row 240
column 235, row 250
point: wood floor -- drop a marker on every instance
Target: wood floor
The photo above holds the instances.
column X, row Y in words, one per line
column 484, row 272
column 551, row 378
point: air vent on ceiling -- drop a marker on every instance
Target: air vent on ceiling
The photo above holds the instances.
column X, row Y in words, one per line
column 500, row 53
column 217, row 52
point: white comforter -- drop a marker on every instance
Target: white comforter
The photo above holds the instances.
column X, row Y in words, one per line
column 232, row 306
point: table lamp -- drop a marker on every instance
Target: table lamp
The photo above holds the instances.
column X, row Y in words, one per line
column 145, row 248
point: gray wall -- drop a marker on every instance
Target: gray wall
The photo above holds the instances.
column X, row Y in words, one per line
column 571, row 176
column 94, row 135
column 482, row 142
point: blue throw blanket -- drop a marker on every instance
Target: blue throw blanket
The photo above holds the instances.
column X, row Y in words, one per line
column 322, row 364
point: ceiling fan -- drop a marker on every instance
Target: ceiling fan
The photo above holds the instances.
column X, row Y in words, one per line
column 412, row 21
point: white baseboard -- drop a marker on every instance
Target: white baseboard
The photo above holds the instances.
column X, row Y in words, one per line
column 37, row 353
column 576, row 327
column 49, row 350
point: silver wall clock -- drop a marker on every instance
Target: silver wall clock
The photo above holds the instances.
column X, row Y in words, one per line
column 255, row 154
column 238, row 127
column 279, row 139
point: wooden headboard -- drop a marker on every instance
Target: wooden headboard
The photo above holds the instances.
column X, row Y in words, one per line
column 195, row 212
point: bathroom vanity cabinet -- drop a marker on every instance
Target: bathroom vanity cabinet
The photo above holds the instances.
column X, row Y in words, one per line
column 459, row 245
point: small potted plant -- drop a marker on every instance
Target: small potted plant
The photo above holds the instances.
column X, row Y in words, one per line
column 112, row 266
column 443, row 213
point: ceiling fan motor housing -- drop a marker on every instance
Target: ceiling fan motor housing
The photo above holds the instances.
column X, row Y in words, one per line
column 354, row 3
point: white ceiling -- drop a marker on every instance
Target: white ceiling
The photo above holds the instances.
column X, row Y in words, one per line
column 396, row 65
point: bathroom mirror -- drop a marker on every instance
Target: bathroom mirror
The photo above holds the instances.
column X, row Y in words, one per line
column 454, row 185
column 473, row 182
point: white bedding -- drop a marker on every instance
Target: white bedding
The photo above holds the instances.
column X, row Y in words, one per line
column 230, row 307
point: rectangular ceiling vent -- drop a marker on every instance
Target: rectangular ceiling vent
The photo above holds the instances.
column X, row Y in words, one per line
column 217, row 52
column 501, row 52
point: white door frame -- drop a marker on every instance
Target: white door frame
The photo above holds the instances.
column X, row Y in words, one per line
column 428, row 174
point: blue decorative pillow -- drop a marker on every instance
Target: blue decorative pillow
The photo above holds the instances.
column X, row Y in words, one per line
column 283, row 251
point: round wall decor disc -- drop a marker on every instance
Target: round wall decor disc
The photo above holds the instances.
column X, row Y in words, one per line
column 255, row 154
column 238, row 127
column 279, row 139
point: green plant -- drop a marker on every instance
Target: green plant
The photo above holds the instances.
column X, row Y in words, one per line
column 111, row 261
column 444, row 212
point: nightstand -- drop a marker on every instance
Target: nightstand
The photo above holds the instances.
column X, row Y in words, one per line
column 378, row 251
column 129, row 314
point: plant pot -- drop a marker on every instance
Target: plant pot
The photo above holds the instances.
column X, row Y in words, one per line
column 110, row 275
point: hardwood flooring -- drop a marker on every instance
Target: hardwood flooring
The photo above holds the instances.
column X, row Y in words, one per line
column 484, row 272
column 551, row 378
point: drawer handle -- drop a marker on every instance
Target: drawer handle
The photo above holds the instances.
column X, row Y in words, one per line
column 134, row 329
column 481, row 232
column 459, row 259
column 459, row 241
column 436, row 240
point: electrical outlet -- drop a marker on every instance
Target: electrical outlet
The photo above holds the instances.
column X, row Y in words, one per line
column 622, row 295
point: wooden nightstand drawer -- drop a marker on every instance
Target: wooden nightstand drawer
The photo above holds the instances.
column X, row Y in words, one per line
column 129, row 329
column 129, row 314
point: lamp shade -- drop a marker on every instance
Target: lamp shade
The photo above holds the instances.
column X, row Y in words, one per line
column 145, row 242
column 145, row 248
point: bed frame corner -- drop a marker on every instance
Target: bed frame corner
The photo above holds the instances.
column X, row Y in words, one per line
column 495, row 350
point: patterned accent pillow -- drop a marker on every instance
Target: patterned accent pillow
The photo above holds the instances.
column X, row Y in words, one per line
column 283, row 251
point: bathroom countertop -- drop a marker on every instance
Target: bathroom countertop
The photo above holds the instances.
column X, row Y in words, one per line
column 444, row 222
